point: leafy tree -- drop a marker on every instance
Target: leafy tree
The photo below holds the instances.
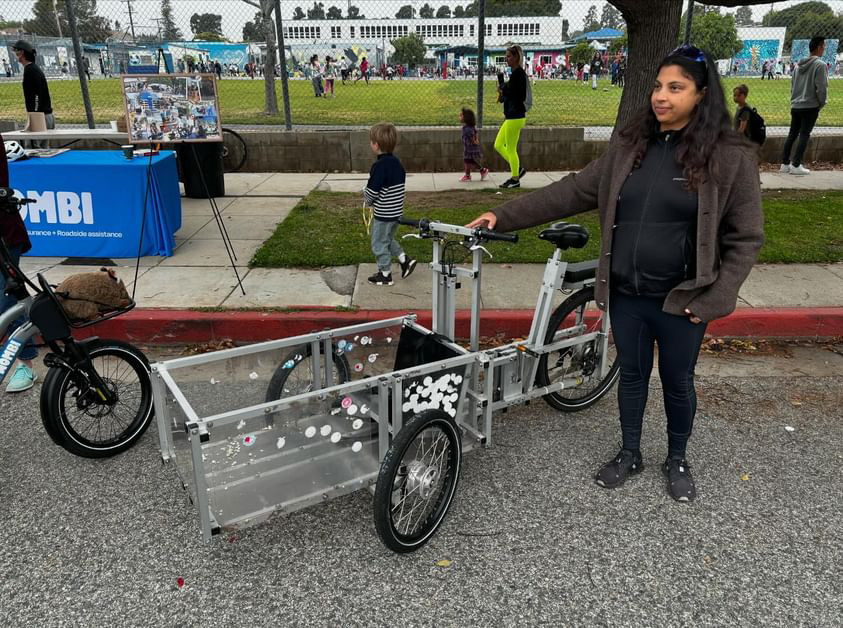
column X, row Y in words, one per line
column 611, row 17
column 334, row 13
column 743, row 16
column 591, row 23
column 426, row 11
column 459, row 11
column 353, row 13
column 581, row 53
column 169, row 30
column 298, row 14
column 812, row 24
column 208, row 36
column 409, row 50
column 405, row 12
column 253, row 31
column 443, row 11
column 620, row 43
column 206, row 23
column 92, row 27
column 317, row 12
column 517, row 8
column 716, row 34
column 265, row 31
column 789, row 16
column 9, row 24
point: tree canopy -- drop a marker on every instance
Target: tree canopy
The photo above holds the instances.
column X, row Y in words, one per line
column 716, row 34
column 334, row 13
column 169, row 30
column 409, row 50
column 405, row 12
column 205, row 23
column 92, row 27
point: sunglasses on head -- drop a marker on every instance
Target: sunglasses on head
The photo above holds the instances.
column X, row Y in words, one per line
column 690, row 52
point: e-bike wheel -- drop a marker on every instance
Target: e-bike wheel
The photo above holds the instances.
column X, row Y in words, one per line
column 417, row 481
column 75, row 415
column 294, row 375
column 579, row 360
column 234, row 151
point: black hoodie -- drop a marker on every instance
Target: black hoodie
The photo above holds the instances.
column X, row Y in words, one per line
column 655, row 224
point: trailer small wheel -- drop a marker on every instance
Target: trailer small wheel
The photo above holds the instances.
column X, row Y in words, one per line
column 417, row 480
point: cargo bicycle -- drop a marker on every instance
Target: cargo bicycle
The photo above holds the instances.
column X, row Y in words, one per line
column 96, row 399
column 389, row 405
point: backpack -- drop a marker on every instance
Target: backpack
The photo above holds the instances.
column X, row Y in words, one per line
column 756, row 127
column 528, row 102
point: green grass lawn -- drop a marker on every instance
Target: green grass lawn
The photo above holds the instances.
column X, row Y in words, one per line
column 800, row 226
column 427, row 102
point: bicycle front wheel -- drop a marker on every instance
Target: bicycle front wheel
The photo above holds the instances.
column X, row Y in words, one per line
column 85, row 425
column 582, row 360
column 234, row 152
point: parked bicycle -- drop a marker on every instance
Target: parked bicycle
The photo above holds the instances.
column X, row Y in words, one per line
column 96, row 399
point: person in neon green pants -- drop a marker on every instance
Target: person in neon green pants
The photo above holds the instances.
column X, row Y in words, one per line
column 512, row 93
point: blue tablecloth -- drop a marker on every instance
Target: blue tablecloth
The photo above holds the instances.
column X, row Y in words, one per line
column 90, row 203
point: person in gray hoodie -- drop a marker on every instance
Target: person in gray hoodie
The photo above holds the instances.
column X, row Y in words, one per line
column 808, row 92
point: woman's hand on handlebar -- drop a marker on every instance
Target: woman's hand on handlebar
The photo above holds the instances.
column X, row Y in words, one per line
column 487, row 220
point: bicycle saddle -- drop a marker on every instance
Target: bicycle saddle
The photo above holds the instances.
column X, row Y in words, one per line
column 565, row 236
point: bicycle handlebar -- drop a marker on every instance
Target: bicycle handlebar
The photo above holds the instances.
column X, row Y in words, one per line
column 481, row 233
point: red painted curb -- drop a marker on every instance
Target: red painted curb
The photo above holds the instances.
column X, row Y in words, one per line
column 159, row 326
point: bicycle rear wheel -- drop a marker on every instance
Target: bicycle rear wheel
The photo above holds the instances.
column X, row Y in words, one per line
column 77, row 418
column 294, row 375
column 234, row 151
column 579, row 360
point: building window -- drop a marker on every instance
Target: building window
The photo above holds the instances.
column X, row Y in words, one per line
column 538, row 29
column 471, row 30
column 500, row 60
column 546, row 59
column 352, row 32
column 336, row 32
column 489, row 30
column 500, row 29
column 462, row 30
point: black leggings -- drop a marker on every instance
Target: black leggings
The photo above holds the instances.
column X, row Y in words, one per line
column 801, row 124
column 636, row 323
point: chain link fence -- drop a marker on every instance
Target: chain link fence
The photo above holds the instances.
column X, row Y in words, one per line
column 408, row 62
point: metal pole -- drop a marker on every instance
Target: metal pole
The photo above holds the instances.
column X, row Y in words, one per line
column 282, row 62
column 80, row 68
column 688, row 17
column 481, row 53
column 58, row 21
column 131, row 21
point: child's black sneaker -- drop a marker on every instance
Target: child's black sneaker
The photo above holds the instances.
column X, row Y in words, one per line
column 380, row 279
column 616, row 471
column 407, row 267
column 680, row 482
column 510, row 183
column 521, row 172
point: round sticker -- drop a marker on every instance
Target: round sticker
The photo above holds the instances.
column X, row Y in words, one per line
column 310, row 432
column 365, row 340
column 298, row 357
column 326, row 429
column 335, row 411
column 289, row 364
column 342, row 344
column 406, row 407
column 280, row 442
column 427, row 380
column 253, row 375
column 249, row 440
column 335, row 437
column 358, row 367
column 241, row 425
column 346, row 401
column 389, row 340
column 372, row 357
column 358, row 423
column 357, row 446
column 352, row 410
column 364, row 409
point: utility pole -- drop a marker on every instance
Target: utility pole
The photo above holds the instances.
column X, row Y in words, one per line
column 131, row 21
column 58, row 21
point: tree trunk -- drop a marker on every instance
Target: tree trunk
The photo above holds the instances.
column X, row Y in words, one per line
column 651, row 35
column 270, row 98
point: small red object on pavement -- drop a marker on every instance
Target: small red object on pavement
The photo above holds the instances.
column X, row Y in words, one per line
column 180, row 582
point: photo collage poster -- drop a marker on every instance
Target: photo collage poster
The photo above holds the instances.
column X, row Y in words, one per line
column 171, row 108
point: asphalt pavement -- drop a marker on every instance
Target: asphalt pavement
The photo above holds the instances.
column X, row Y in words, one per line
column 529, row 540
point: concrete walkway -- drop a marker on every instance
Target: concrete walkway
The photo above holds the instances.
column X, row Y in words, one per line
column 199, row 274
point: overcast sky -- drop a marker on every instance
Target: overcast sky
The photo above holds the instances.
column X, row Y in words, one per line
column 236, row 12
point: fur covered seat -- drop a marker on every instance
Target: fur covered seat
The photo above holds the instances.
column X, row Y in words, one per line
column 88, row 296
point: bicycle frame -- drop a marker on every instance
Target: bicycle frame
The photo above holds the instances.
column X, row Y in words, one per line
column 18, row 338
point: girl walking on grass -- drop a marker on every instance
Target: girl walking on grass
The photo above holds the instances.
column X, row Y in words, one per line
column 472, row 156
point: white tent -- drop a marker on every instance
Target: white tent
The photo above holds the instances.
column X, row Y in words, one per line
column 597, row 45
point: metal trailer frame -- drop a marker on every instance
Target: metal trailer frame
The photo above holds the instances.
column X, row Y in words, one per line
column 316, row 470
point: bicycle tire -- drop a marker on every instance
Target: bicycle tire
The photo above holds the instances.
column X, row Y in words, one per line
column 395, row 477
column 234, row 150
column 558, row 400
column 278, row 386
column 62, row 386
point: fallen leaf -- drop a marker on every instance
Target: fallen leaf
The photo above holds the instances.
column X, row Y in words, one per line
column 443, row 563
column 744, row 476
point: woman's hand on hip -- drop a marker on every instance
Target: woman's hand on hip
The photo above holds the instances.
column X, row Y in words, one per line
column 487, row 220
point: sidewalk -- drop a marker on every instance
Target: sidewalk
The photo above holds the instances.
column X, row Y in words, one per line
column 777, row 300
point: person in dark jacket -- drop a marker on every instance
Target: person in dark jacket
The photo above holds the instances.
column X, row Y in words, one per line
column 679, row 202
column 513, row 94
column 36, row 93
column 14, row 235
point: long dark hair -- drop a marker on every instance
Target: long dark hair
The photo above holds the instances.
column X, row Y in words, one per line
column 710, row 125
column 468, row 117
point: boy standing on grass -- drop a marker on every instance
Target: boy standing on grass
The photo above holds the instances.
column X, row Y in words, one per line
column 384, row 193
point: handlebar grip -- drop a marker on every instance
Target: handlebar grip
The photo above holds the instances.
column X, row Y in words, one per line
column 409, row 222
column 488, row 234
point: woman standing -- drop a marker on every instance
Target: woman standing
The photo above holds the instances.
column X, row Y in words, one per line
column 316, row 75
column 679, row 201
column 512, row 94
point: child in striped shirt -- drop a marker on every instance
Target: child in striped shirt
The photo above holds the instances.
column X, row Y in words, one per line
column 384, row 192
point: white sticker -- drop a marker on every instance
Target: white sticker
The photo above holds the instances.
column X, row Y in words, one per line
column 355, row 338
column 458, row 379
column 253, row 375
column 335, row 411
column 389, row 340
column 310, row 432
column 280, row 442
column 789, row 428
column 298, row 357
column 357, row 424
column 241, row 425
column 213, row 381
column 342, row 344
column 372, row 357
column 358, row 367
column 365, row 340
column 427, row 380
column 335, row 437
column 357, row 446
column 364, row 409
column 249, row 440
column 352, row 410
column 326, row 429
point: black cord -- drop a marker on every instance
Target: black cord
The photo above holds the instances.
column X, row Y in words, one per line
column 143, row 220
